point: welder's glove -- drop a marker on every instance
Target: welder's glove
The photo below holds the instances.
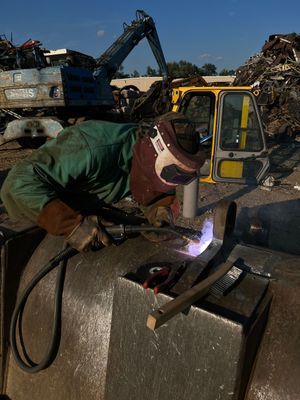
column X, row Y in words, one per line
column 80, row 232
column 162, row 213
column 88, row 234
column 160, row 216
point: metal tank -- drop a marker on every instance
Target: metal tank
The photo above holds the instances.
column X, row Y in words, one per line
column 240, row 343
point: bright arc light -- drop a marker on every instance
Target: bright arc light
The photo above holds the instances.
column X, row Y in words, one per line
column 194, row 249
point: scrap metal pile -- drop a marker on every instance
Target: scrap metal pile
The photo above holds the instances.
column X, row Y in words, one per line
column 274, row 74
column 28, row 55
column 31, row 55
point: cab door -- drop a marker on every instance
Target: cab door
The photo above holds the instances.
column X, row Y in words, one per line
column 200, row 106
column 240, row 152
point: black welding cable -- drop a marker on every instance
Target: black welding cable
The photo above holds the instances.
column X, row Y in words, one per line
column 31, row 367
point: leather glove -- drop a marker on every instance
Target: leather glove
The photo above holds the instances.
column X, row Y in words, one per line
column 160, row 216
column 80, row 232
column 88, row 234
column 163, row 212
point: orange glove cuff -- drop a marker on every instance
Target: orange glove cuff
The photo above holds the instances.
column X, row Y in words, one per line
column 58, row 218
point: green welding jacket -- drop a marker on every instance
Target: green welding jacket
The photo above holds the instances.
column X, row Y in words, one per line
column 86, row 166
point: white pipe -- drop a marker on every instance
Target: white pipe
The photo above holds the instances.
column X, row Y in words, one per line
column 190, row 199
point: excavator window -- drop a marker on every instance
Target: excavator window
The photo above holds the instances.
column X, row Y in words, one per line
column 239, row 139
column 199, row 108
column 240, row 128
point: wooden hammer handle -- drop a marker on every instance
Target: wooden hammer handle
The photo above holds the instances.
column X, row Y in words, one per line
column 187, row 298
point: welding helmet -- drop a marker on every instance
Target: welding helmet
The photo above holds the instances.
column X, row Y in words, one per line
column 176, row 145
column 167, row 154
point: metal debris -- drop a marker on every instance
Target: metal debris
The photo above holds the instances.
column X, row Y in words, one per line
column 28, row 55
column 268, row 182
column 274, row 75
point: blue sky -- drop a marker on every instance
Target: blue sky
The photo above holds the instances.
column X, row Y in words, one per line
column 221, row 32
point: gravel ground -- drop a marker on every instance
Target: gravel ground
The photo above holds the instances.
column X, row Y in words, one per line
column 268, row 216
column 9, row 154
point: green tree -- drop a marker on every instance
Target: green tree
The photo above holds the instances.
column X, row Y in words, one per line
column 135, row 74
column 225, row 72
column 152, row 72
column 183, row 69
column 209, row 69
column 120, row 73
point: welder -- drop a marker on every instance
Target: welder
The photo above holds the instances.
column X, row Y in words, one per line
column 62, row 185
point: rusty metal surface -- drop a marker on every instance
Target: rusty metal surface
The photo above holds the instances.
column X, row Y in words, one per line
column 30, row 88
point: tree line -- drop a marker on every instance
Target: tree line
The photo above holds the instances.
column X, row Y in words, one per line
column 180, row 69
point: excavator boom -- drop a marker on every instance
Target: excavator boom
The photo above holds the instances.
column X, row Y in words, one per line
column 142, row 27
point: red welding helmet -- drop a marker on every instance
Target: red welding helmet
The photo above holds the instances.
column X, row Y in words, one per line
column 165, row 156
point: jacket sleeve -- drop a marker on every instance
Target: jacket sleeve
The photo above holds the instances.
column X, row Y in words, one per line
column 39, row 178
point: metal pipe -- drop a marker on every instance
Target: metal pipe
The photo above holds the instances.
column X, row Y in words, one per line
column 190, row 199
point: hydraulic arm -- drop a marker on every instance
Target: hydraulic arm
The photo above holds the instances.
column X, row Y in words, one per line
column 109, row 62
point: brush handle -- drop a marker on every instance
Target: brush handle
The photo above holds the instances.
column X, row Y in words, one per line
column 186, row 299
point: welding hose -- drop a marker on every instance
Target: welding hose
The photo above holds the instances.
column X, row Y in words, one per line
column 16, row 321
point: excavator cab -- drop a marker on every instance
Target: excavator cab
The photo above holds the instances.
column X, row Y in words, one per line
column 230, row 132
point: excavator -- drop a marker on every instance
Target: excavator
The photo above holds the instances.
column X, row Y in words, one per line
column 46, row 93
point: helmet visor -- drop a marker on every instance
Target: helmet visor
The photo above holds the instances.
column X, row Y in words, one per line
column 177, row 176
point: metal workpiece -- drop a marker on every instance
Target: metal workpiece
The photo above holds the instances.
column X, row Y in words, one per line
column 224, row 219
column 25, row 238
column 274, row 226
column 217, row 250
column 277, row 371
column 190, row 199
column 213, row 262
column 204, row 353
column 240, row 345
column 79, row 370
column 277, row 367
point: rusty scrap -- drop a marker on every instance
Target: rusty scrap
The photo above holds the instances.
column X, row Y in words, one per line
column 28, row 55
column 274, row 75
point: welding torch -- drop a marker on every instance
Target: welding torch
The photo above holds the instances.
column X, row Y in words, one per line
column 122, row 231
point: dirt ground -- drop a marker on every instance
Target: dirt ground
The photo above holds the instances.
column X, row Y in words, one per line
column 267, row 215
